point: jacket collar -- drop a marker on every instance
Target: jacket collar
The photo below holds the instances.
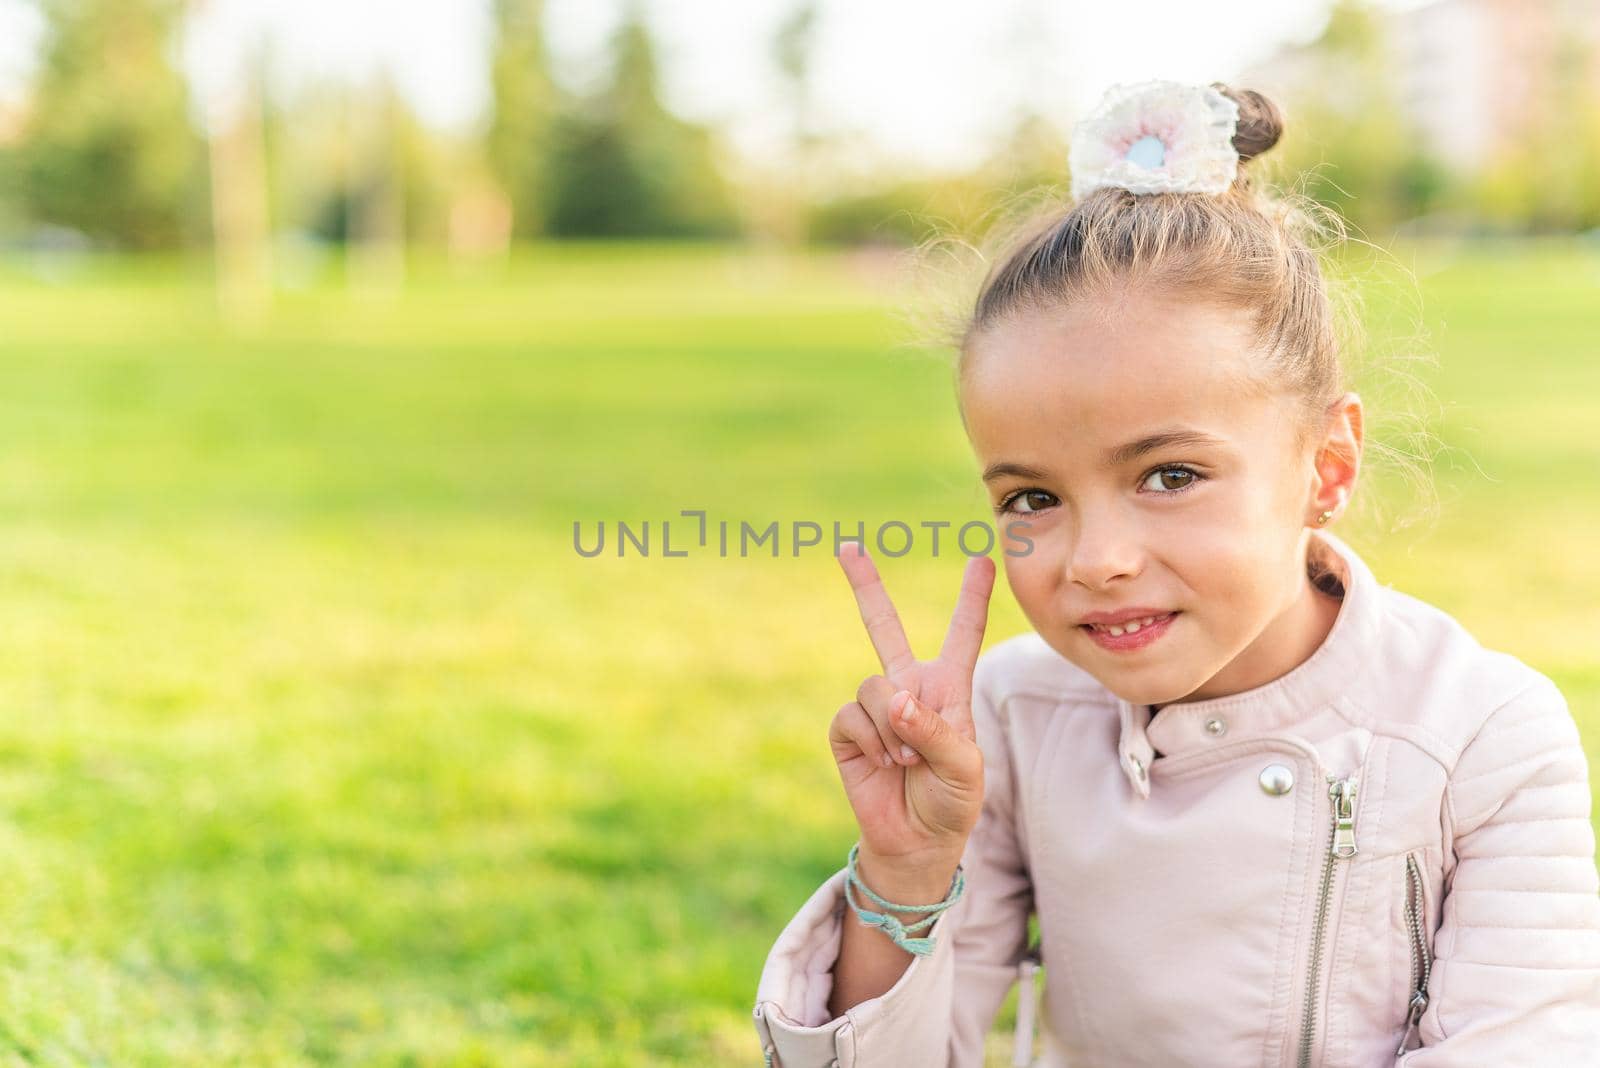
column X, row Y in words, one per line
column 1313, row 684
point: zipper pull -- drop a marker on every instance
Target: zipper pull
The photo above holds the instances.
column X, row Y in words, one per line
column 1343, row 792
column 1419, row 1001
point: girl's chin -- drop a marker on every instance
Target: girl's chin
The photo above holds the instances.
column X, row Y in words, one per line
column 1141, row 683
column 1137, row 680
column 1136, row 685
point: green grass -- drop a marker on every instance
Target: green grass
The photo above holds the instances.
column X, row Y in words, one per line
column 321, row 745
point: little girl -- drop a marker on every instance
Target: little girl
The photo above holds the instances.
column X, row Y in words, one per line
column 1266, row 809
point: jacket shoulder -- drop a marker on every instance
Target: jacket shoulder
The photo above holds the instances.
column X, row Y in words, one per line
column 1432, row 676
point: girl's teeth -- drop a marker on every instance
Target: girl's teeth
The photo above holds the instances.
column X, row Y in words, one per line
column 1129, row 627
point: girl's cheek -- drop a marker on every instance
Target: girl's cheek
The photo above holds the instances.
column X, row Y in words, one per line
column 1033, row 578
column 1020, row 536
column 1017, row 570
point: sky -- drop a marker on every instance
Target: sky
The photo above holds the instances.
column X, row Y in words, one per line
column 924, row 81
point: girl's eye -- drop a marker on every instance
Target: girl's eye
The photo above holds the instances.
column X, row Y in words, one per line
column 1009, row 505
column 1188, row 479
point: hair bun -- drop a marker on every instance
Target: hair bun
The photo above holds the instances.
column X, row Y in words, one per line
column 1260, row 121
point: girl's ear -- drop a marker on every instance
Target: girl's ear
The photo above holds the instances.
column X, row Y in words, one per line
column 1338, row 457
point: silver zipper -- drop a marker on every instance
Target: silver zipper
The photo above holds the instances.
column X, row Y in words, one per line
column 1341, row 845
column 1421, row 959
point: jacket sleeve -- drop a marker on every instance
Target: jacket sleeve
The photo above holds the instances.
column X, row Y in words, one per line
column 939, row 1011
column 1516, row 974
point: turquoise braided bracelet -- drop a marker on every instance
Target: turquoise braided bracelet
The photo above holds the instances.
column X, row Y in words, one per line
column 891, row 925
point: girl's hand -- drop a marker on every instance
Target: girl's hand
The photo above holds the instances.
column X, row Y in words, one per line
column 916, row 812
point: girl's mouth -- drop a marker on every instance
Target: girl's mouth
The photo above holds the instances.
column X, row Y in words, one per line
column 1148, row 631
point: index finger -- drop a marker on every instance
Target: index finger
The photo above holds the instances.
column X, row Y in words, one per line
column 877, row 611
column 964, row 639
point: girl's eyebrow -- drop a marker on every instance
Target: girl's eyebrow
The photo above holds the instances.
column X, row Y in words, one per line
column 1004, row 468
column 1166, row 438
column 1169, row 437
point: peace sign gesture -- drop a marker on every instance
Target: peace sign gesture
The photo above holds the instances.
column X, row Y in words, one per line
column 918, row 809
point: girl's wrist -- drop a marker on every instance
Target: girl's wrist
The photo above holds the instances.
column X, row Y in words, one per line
column 923, row 880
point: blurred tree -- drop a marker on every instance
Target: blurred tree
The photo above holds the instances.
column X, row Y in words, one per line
column 621, row 165
column 1548, row 177
column 525, row 103
column 376, row 223
column 791, row 53
column 241, row 226
column 1033, row 155
column 433, row 165
column 314, row 166
column 356, row 166
column 107, row 147
column 778, row 201
column 1029, row 163
column 1350, row 145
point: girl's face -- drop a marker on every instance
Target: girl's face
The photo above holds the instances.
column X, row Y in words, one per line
column 1065, row 408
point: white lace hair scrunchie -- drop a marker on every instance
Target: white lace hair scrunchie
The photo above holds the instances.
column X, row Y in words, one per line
column 1156, row 137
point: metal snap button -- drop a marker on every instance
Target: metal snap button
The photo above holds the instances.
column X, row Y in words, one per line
column 1277, row 779
column 1215, row 727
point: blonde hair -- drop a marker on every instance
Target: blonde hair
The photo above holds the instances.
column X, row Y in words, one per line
column 1241, row 248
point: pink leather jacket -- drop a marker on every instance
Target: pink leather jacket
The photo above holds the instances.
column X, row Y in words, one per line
column 1381, row 858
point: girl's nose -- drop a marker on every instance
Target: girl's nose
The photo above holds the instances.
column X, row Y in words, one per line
column 1103, row 552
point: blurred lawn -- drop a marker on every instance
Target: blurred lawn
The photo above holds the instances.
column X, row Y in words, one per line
column 321, row 745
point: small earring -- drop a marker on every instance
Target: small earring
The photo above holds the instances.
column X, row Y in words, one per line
column 1324, row 517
